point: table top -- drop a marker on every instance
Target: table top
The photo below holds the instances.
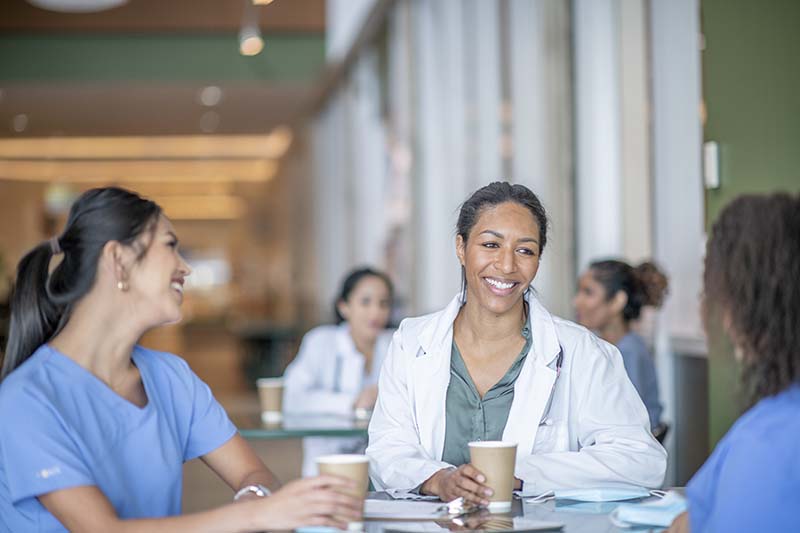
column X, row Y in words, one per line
column 576, row 517
column 296, row 426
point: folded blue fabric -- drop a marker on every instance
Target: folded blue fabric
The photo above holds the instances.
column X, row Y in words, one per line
column 654, row 513
column 602, row 494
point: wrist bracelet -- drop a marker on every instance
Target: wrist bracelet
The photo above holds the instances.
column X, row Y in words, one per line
column 259, row 490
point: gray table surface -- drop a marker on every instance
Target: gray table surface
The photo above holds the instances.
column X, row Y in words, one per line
column 297, row 426
column 576, row 518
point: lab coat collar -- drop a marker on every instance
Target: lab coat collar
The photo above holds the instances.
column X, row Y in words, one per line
column 432, row 373
column 345, row 346
column 437, row 335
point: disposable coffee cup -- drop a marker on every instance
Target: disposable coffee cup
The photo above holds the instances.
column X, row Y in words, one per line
column 495, row 460
column 355, row 467
column 270, row 394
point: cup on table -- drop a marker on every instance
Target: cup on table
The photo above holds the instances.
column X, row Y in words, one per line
column 270, row 394
column 350, row 466
column 496, row 460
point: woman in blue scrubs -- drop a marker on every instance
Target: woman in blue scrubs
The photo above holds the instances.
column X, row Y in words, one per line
column 752, row 289
column 95, row 427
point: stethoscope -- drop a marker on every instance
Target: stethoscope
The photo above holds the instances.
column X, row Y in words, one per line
column 545, row 421
column 337, row 374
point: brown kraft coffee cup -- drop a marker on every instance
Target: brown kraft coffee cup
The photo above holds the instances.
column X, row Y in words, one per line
column 270, row 394
column 496, row 460
column 355, row 467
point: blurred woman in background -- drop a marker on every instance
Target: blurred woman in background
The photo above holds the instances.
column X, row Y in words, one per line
column 336, row 369
column 751, row 481
column 95, row 427
column 611, row 295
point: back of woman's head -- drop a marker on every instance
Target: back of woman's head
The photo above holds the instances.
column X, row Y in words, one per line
column 752, row 285
column 41, row 302
column 497, row 193
column 644, row 285
column 351, row 281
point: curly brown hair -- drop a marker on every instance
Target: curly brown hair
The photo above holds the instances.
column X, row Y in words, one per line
column 752, row 285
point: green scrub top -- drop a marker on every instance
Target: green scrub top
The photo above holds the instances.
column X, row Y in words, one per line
column 468, row 417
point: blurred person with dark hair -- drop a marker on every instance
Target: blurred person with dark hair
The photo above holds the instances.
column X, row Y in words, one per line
column 95, row 427
column 751, row 481
column 611, row 295
column 336, row 369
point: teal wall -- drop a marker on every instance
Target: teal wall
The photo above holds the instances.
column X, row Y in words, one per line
column 201, row 57
column 751, row 88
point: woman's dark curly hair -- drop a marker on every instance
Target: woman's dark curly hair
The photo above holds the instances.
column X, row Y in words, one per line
column 752, row 285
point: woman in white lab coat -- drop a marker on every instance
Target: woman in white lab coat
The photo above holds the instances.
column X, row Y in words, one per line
column 336, row 370
column 496, row 365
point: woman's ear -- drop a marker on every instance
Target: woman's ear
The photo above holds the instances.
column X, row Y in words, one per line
column 343, row 309
column 115, row 260
column 619, row 301
column 460, row 248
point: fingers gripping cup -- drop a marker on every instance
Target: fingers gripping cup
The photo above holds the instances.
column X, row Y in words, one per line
column 270, row 393
column 355, row 467
column 496, row 459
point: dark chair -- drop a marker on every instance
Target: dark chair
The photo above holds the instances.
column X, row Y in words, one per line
column 660, row 432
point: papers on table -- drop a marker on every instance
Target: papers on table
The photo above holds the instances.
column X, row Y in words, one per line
column 403, row 510
column 518, row 525
column 427, row 512
column 404, row 494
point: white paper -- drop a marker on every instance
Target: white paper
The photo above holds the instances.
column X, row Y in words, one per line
column 402, row 509
column 405, row 494
column 519, row 524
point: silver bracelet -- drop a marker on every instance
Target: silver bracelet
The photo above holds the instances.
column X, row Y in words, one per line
column 259, row 490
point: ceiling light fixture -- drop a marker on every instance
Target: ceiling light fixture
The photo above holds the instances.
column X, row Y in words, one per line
column 250, row 41
column 262, row 2
column 77, row 6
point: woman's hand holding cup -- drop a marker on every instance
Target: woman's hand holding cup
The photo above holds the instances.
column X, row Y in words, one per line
column 317, row 501
column 465, row 482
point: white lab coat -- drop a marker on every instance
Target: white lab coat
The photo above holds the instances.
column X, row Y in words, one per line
column 326, row 377
column 593, row 432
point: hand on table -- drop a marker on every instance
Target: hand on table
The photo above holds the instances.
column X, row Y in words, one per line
column 367, row 398
column 462, row 482
column 680, row 524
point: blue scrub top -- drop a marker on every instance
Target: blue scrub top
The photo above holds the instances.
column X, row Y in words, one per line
column 752, row 480
column 62, row 427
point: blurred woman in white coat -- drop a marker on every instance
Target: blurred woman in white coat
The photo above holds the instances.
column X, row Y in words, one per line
column 496, row 365
column 336, row 370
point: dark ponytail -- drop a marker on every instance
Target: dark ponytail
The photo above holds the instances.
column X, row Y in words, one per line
column 644, row 285
column 41, row 303
column 34, row 316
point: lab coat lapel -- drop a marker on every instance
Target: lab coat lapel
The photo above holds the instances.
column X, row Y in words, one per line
column 432, row 376
column 535, row 383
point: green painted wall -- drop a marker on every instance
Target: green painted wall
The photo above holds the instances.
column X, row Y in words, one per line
column 203, row 57
column 751, row 87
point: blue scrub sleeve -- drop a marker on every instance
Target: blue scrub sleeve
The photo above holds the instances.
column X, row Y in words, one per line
column 38, row 454
column 700, row 490
column 210, row 425
column 752, row 486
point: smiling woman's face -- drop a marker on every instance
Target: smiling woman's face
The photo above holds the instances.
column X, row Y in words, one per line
column 500, row 257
